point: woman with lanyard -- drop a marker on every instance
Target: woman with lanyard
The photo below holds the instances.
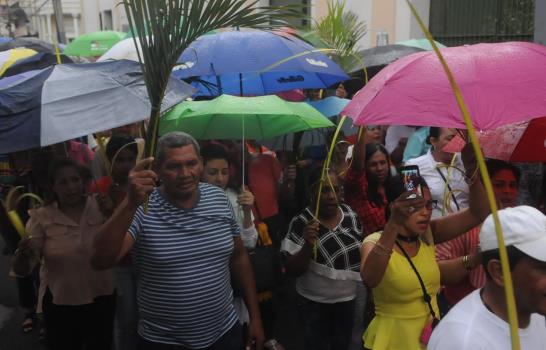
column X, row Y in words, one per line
column 444, row 173
column 323, row 252
column 400, row 266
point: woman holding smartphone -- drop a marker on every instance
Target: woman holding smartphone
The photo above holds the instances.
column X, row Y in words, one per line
column 399, row 263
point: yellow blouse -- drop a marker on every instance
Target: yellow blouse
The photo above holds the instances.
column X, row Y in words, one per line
column 401, row 312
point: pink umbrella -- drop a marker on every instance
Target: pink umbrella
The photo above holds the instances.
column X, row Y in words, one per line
column 501, row 83
column 519, row 142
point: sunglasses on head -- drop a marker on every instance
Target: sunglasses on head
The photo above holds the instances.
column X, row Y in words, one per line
column 431, row 204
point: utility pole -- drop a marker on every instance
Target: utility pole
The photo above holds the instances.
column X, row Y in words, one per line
column 9, row 27
column 540, row 22
column 59, row 20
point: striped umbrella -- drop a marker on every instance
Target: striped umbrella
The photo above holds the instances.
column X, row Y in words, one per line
column 67, row 101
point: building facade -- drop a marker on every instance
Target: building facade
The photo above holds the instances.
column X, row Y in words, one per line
column 452, row 22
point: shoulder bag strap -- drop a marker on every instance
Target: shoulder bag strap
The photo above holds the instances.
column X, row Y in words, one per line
column 449, row 188
column 426, row 296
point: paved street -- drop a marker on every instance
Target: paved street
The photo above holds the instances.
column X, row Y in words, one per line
column 11, row 317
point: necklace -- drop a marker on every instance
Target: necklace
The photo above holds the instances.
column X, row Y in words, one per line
column 410, row 239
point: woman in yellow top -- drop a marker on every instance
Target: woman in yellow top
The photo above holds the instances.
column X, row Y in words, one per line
column 402, row 314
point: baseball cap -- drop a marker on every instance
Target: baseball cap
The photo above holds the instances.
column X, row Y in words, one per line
column 523, row 227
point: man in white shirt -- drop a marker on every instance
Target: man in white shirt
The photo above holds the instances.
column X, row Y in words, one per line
column 435, row 168
column 480, row 321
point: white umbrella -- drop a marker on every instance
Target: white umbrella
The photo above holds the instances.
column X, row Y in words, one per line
column 123, row 50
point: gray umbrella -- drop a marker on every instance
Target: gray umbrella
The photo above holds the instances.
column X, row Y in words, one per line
column 28, row 42
column 378, row 57
column 67, row 101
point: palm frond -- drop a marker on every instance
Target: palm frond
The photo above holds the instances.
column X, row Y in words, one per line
column 164, row 28
column 341, row 30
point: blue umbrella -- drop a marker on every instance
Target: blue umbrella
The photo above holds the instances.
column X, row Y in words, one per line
column 254, row 62
column 15, row 79
column 67, row 101
column 330, row 106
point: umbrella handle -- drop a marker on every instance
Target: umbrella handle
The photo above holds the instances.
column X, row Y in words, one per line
column 243, row 144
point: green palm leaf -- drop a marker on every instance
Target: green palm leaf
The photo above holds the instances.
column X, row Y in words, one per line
column 164, row 28
column 341, row 30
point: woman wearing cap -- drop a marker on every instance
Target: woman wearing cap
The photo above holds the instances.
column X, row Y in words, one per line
column 395, row 261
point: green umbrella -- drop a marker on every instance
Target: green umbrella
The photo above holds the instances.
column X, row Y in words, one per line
column 420, row 43
column 233, row 117
column 93, row 44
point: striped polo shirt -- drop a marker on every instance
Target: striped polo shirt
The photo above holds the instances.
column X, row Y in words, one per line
column 182, row 263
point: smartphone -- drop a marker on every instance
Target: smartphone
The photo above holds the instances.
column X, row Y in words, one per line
column 410, row 177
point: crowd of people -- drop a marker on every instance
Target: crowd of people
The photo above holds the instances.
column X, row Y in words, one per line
column 186, row 251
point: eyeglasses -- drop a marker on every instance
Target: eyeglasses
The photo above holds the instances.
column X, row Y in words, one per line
column 372, row 127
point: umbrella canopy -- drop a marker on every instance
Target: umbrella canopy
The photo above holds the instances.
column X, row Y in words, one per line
column 8, row 58
column 518, row 142
column 310, row 138
column 423, row 44
column 376, row 58
column 232, row 117
column 93, row 44
column 501, row 83
column 67, row 101
column 122, row 50
column 254, row 62
column 330, row 106
column 39, row 61
column 29, row 43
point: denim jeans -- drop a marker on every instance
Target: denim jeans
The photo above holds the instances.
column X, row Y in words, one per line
column 231, row 340
column 327, row 326
column 126, row 321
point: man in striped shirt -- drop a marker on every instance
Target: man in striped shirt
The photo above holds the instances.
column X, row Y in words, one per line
column 185, row 247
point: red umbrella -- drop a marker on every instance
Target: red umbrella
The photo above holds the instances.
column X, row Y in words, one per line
column 519, row 142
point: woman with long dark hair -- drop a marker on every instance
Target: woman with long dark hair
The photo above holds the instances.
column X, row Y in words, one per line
column 367, row 183
column 78, row 303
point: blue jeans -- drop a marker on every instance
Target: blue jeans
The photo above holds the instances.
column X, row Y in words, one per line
column 126, row 321
column 327, row 326
column 231, row 340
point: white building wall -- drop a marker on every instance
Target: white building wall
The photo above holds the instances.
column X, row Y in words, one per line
column 406, row 25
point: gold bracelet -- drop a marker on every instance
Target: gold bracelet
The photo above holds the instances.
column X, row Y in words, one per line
column 466, row 262
column 384, row 251
column 380, row 253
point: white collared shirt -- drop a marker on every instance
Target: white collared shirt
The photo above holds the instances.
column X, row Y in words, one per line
column 428, row 170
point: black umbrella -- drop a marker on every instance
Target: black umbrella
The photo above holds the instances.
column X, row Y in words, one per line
column 30, row 43
column 378, row 57
column 38, row 61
